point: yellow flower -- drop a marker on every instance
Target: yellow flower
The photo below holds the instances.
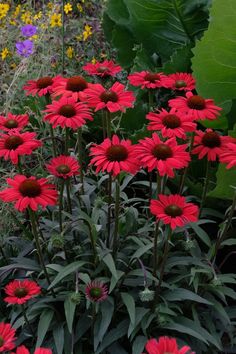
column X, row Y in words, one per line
column 4, row 53
column 50, row 5
column 13, row 22
column 4, row 8
column 38, row 16
column 87, row 32
column 80, row 8
column 26, row 18
column 67, row 8
column 55, row 20
column 43, row 26
column 79, row 37
column 70, row 52
column 93, row 61
column 34, row 37
column 17, row 11
column 13, row 66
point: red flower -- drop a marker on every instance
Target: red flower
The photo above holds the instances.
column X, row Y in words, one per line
column 63, row 166
column 165, row 345
column 146, row 79
column 23, row 350
column 13, row 121
column 29, row 192
column 195, row 106
column 182, row 82
column 114, row 99
column 20, row 291
column 210, row 144
column 162, row 155
column 114, row 155
column 41, row 87
column 106, row 68
column 170, row 123
column 228, row 155
column 7, row 337
column 69, row 87
column 174, row 210
column 96, row 291
column 15, row 144
column 67, row 112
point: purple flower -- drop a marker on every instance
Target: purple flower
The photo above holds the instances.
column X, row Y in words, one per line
column 28, row 30
column 25, row 48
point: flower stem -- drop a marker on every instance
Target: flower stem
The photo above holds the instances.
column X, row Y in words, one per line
column 26, row 319
column 81, row 159
column 155, row 249
column 54, row 150
column 108, row 119
column 117, row 210
column 205, row 187
column 68, row 195
column 20, row 166
column 150, row 99
column 158, row 183
column 67, row 137
column 109, row 209
column 184, row 175
column 61, row 204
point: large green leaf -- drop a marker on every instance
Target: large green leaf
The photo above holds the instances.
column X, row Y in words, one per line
column 226, row 179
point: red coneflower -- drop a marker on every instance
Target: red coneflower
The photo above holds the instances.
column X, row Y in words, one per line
column 41, row 87
column 7, row 337
column 103, row 69
column 146, row 79
column 20, row 291
column 23, row 350
column 228, row 155
column 182, row 82
column 114, row 99
column 67, row 112
column 174, row 210
column 210, row 144
column 195, row 106
column 96, row 291
column 170, row 123
column 63, row 166
column 69, row 87
column 165, row 156
column 15, row 144
column 13, row 121
column 29, row 192
column 114, row 155
column 165, row 345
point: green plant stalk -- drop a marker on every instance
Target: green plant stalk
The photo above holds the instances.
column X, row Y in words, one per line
column 80, row 156
column 205, row 187
column 54, row 150
column 108, row 121
column 184, row 175
column 150, row 99
column 159, row 182
column 156, row 234
column 26, row 319
column 20, row 166
column 117, row 210
column 68, row 195
column 109, row 209
column 225, row 228
column 103, row 125
column 67, row 137
column 37, row 242
column 61, row 203
column 63, row 38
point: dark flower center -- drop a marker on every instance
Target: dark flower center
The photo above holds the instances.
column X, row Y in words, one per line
column 11, row 123
column 196, row 102
column 117, row 153
column 180, row 83
column 76, row 84
column 63, row 169
column 30, row 188
column 173, row 210
column 171, row 121
column 95, row 293
column 1, row 341
column 102, row 69
column 162, row 151
column 151, row 77
column 21, row 292
column 44, row 82
column 67, row 111
column 211, row 140
column 13, row 142
column 108, row 95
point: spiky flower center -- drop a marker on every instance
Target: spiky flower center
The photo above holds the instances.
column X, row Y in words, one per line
column 30, row 188
column 196, row 102
column 76, row 84
column 162, row 151
column 67, row 111
column 21, row 292
column 180, row 83
column 96, row 292
column 1, row 341
column 151, row 77
column 11, row 124
column 63, row 169
column 102, row 69
column 13, row 142
column 171, row 121
column 211, row 139
column 173, row 210
column 44, row 82
column 117, row 153
column 109, row 95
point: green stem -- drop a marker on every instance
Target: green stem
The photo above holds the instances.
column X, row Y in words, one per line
column 108, row 119
column 103, row 125
column 61, row 204
column 184, row 175
column 150, row 99
column 68, row 195
column 158, row 183
column 155, row 249
column 67, row 137
column 117, row 211
column 20, row 166
column 26, row 319
column 54, row 150
column 63, row 37
column 81, row 159
column 109, row 209
column 205, row 187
